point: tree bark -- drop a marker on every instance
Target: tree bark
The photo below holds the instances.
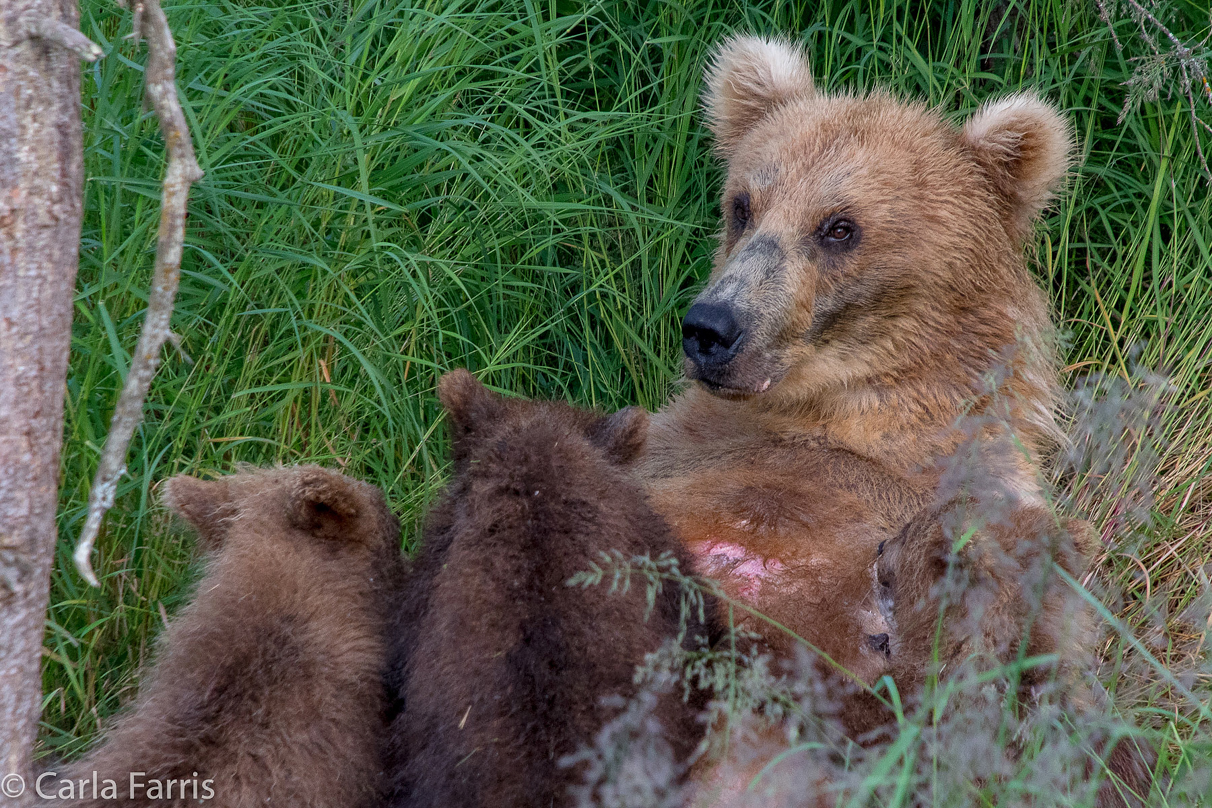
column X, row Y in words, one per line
column 41, row 168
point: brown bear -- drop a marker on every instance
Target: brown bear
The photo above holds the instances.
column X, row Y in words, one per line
column 267, row 688
column 870, row 313
column 869, row 283
column 506, row 665
column 1010, row 580
column 870, row 296
column 949, row 601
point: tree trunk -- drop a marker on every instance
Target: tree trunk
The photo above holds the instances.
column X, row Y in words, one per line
column 41, row 167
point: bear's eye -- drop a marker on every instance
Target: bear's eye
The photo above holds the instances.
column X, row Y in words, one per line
column 740, row 210
column 839, row 231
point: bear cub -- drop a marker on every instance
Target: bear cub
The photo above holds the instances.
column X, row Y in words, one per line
column 505, row 666
column 267, row 688
column 1001, row 597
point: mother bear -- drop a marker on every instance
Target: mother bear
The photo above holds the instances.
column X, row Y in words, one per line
column 870, row 306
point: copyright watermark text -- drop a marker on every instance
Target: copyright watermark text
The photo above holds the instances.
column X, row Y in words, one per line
column 50, row 786
column 12, row 785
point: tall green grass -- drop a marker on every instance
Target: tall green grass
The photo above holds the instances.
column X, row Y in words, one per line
column 397, row 188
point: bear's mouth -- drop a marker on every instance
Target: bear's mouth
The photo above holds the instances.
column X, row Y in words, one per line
column 751, row 374
column 729, row 391
column 738, row 385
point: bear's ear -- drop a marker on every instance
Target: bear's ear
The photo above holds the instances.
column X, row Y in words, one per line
column 1024, row 146
column 622, row 435
column 468, row 404
column 205, row 504
column 1085, row 537
column 747, row 78
column 324, row 503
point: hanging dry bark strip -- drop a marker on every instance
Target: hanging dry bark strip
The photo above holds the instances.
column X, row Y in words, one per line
column 179, row 174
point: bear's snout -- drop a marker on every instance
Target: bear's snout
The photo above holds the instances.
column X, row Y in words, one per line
column 711, row 335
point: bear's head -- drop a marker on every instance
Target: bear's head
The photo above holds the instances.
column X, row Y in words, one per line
column 481, row 422
column 866, row 240
column 303, row 502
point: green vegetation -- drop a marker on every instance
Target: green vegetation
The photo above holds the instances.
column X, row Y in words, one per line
column 397, row 188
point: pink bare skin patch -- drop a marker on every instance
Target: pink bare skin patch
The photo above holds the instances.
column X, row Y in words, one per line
column 733, row 564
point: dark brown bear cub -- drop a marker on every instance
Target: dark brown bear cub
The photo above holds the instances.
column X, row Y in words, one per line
column 508, row 665
column 267, row 689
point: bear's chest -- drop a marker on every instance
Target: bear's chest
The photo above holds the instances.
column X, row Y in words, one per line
column 792, row 545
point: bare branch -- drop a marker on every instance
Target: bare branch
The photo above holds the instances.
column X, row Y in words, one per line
column 180, row 173
column 136, row 21
column 37, row 26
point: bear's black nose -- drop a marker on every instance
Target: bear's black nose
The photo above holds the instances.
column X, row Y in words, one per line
column 710, row 334
column 879, row 642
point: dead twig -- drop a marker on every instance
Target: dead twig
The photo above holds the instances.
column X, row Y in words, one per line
column 33, row 25
column 180, row 173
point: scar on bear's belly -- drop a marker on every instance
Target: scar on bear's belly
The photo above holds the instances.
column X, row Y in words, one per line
column 739, row 568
